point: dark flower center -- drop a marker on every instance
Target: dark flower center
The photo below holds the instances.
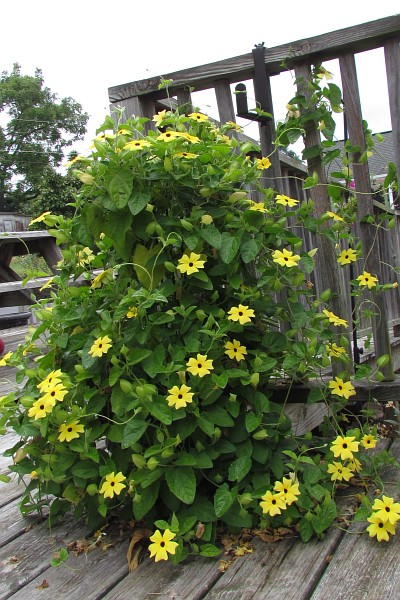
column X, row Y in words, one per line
column 273, row 502
column 162, row 544
column 344, row 445
column 285, row 258
column 112, row 483
column 100, row 345
column 387, row 508
column 190, row 264
column 70, row 429
column 199, row 366
column 380, row 525
column 41, row 407
column 180, row 396
column 240, row 314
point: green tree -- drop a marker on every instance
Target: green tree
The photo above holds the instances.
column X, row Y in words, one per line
column 55, row 192
column 38, row 127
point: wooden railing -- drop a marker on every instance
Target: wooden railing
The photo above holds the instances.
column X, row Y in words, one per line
column 142, row 98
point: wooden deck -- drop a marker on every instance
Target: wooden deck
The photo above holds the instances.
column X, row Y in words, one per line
column 345, row 564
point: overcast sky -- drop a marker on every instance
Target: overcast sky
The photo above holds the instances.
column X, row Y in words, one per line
column 85, row 46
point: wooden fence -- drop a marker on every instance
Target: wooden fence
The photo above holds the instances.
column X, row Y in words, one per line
column 382, row 251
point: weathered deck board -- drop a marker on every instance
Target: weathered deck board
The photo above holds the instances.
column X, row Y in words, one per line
column 369, row 569
column 27, row 556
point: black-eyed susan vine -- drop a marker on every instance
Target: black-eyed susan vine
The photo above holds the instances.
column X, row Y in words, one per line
column 151, row 398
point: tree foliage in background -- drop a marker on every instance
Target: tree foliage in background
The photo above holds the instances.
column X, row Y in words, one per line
column 36, row 127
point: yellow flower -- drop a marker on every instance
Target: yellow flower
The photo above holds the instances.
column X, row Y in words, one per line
column 369, row 441
column 52, row 379
column 286, row 258
column 84, row 177
column 190, row 264
column 347, row 256
column 289, row 489
column 40, row 218
column 334, row 319
column 273, row 503
column 57, row 391
column 324, row 73
column 48, row 284
column 285, row 200
column 132, row 312
column 180, row 397
column 74, row 160
column 367, row 279
column 33, row 474
column 100, row 346
column 70, row 431
column 344, row 447
column 162, row 545
column 137, row 145
column 355, row 465
column 334, row 216
column 160, row 116
column 112, row 485
column 190, row 138
column 335, row 350
column 340, row 472
column 169, row 136
column 241, row 313
column 85, row 256
column 387, row 509
column 6, row 357
column 234, row 126
column 263, row 163
column 123, row 131
column 104, row 277
column 41, row 408
column 188, row 155
column 200, row 365
column 259, row 206
column 380, row 528
column 199, row 117
column 234, row 350
column 342, row 388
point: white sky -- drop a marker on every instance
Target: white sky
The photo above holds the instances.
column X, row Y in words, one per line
column 85, row 46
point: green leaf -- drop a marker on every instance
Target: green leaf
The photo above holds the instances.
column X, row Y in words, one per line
column 160, row 410
column 4, row 478
column 219, row 416
column 306, row 530
column 239, row 468
column 155, row 362
column 252, row 421
column 249, row 250
column 148, row 498
column 205, row 424
column 229, row 248
column 120, row 187
column 138, row 201
column 223, row 500
column 209, row 550
column 133, row 431
column 136, row 355
column 325, row 516
column 212, row 236
column 182, row 483
column 85, row 470
column 307, row 263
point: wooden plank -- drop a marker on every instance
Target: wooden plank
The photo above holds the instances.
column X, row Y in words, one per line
column 366, row 36
column 184, row 97
column 362, row 568
column 327, row 273
column 367, row 231
column 13, row 524
column 392, row 58
column 223, row 94
column 26, row 557
column 189, row 580
column 306, row 417
column 10, row 491
column 286, row 570
column 87, row 576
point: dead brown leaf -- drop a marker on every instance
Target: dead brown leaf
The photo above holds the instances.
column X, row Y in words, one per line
column 43, row 585
column 200, row 530
column 78, row 546
column 134, row 550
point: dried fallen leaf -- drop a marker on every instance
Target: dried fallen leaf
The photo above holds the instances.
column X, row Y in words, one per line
column 78, row 546
column 15, row 559
column 43, row 585
column 135, row 549
column 200, row 530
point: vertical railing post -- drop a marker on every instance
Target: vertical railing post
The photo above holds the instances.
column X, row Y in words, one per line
column 328, row 274
column 365, row 208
